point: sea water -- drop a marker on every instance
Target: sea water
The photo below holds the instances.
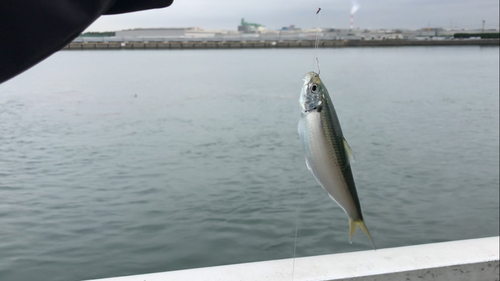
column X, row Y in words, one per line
column 127, row 162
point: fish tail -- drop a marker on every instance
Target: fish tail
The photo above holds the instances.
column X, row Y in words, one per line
column 353, row 226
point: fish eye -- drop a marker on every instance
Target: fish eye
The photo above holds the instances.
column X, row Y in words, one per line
column 314, row 88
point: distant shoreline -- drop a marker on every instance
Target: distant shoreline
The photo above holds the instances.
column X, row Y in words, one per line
column 276, row 44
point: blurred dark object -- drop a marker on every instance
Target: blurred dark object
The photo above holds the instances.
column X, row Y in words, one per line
column 31, row 31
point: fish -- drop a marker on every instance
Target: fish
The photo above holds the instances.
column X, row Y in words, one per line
column 328, row 155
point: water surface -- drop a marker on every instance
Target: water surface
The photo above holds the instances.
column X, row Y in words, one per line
column 126, row 162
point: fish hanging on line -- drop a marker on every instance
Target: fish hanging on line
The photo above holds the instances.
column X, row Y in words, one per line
column 328, row 155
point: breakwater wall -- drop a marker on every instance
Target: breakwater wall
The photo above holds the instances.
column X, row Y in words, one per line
column 275, row 44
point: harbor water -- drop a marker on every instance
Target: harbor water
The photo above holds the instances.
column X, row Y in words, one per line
column 136, row 161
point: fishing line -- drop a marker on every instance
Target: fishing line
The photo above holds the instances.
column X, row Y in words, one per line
column 296, row 232
column 316, row 43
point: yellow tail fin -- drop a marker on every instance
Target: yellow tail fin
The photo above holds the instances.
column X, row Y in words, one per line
column 353, row 226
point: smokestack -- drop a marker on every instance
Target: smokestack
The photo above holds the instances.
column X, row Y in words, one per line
column 355, row 7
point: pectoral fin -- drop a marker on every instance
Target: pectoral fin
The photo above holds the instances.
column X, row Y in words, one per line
column 348, row 152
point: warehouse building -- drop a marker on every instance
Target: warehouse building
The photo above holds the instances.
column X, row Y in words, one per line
column 152, row 32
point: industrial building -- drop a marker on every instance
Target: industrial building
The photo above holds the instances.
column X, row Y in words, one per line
column 257, row 32
column 185, row 32
column 248, row 27
column 152, row 32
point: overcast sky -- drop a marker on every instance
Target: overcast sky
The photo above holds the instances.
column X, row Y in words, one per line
column 274, row 14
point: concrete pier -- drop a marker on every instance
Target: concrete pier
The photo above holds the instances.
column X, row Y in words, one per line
column 274, row 44
column 465, row 260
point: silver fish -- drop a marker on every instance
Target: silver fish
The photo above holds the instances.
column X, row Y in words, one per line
column 328, row 155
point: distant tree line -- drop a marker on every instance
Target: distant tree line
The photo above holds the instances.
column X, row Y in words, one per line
column 98, row 34
column 481, row 35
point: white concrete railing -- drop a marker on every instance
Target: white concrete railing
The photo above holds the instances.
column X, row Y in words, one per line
column 475, row 259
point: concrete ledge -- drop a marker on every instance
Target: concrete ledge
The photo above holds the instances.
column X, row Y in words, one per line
column 475, row 259
column 138, row 45
column 278, row 44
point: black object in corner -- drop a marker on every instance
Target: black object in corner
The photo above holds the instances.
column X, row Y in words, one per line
column 31, row 31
